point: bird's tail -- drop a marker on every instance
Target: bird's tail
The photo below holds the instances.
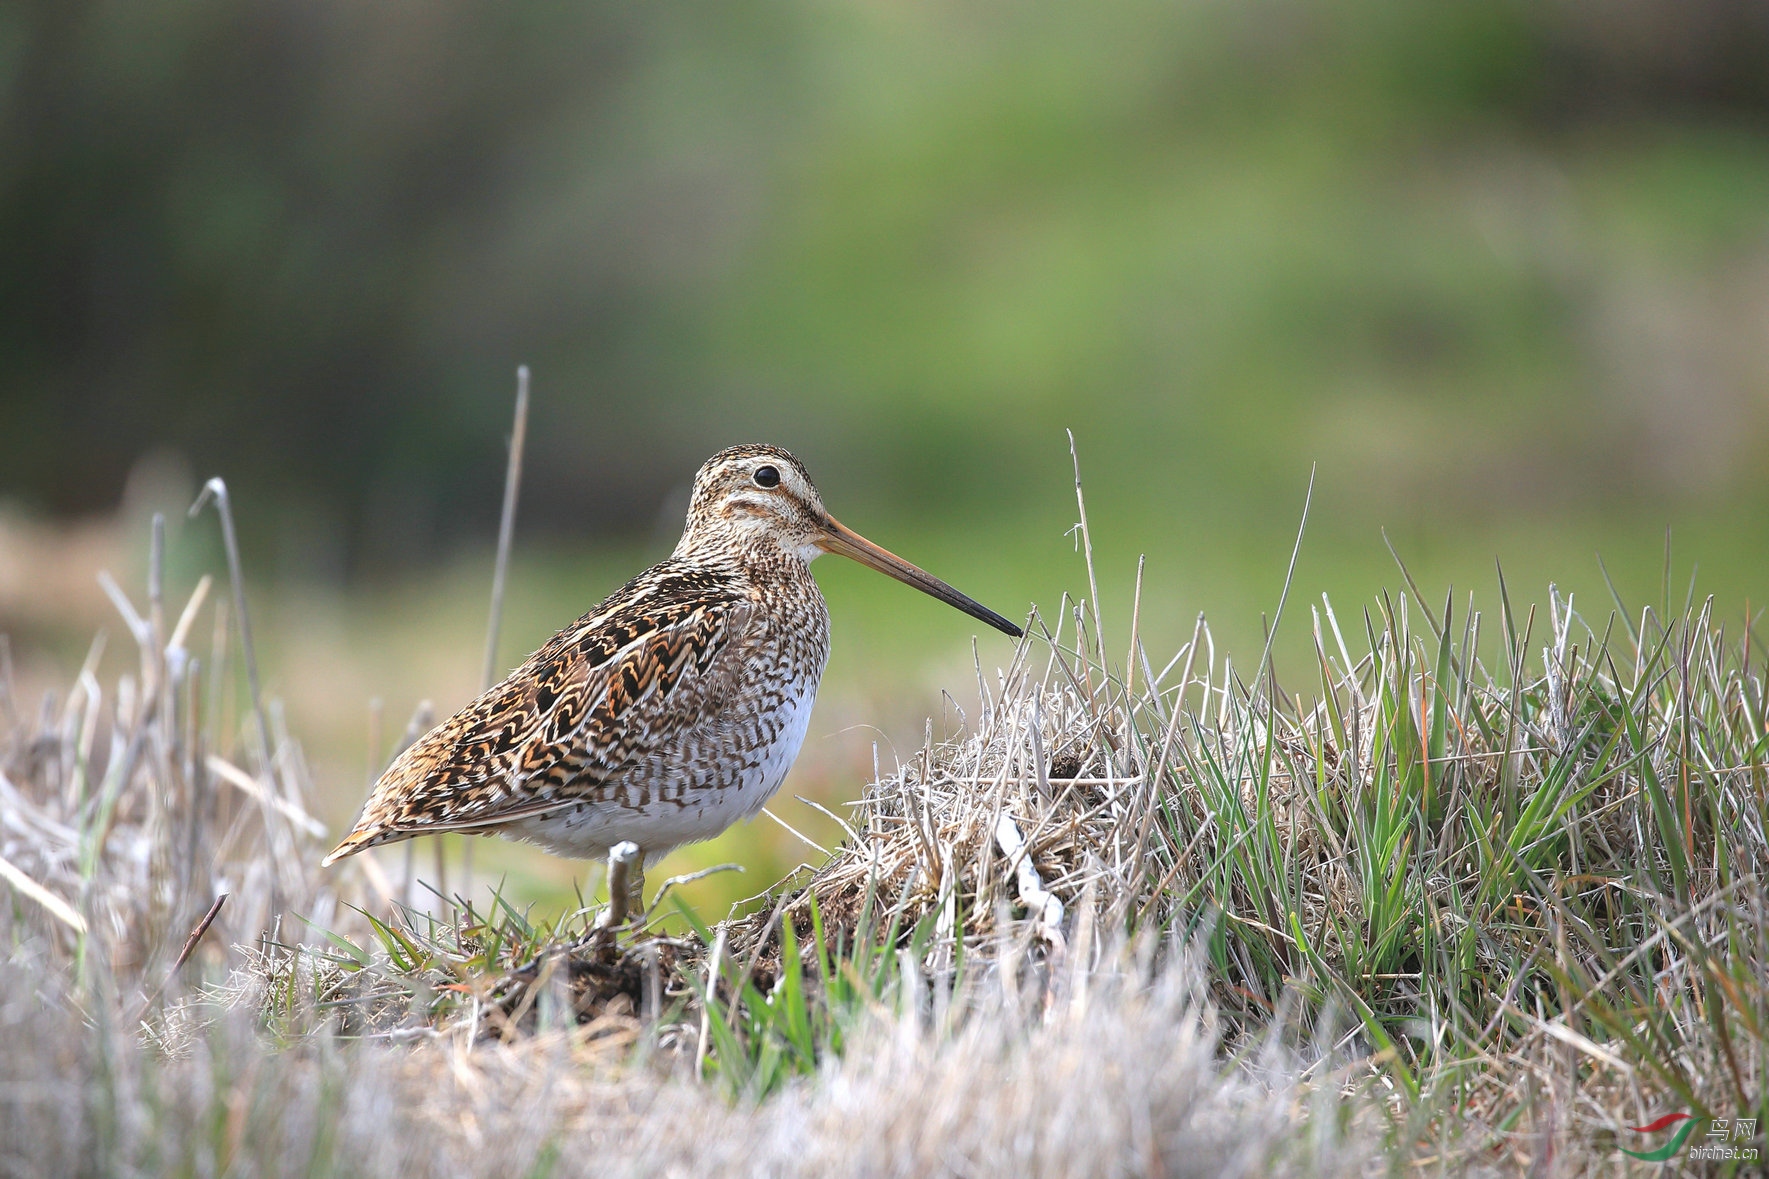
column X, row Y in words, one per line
column 363, row 837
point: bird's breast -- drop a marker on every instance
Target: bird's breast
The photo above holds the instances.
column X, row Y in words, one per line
column 763, row 721
column 721, row 744
column 740, row 728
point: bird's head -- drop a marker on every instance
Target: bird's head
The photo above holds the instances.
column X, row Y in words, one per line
column 755, row 496
column 761, row 497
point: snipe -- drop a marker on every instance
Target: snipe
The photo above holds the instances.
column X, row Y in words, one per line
column 668, row 712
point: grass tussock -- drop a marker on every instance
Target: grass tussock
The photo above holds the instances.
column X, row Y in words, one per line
column 1469, row 894
column 1533, row 892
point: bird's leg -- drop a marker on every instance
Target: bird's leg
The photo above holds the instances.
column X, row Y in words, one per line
column 636, row 886
column 626, row 884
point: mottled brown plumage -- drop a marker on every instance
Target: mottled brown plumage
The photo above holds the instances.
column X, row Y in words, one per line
column 668, row 712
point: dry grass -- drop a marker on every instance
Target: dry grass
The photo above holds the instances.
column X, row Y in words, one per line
column 1127, row 1082
column 1536, row 898
column 1462, row 907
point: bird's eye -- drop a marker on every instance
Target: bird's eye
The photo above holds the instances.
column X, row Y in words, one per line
column 767, row 477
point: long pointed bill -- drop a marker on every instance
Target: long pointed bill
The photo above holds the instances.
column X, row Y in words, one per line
column 844, row 540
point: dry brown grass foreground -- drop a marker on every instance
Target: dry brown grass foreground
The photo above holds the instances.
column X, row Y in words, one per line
column 1130, row 922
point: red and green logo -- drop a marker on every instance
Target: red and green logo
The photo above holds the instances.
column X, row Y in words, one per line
column 1677, row 1140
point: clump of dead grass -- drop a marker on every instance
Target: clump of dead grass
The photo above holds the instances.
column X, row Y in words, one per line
column 1535, row 890
column 135, row 813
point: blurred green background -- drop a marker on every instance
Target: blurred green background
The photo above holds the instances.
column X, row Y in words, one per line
column 1501, row 270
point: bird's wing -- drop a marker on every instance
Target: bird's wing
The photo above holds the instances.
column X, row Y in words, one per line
column 595, row 698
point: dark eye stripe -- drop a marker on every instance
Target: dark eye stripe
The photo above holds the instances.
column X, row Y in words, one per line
column 767, row 477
